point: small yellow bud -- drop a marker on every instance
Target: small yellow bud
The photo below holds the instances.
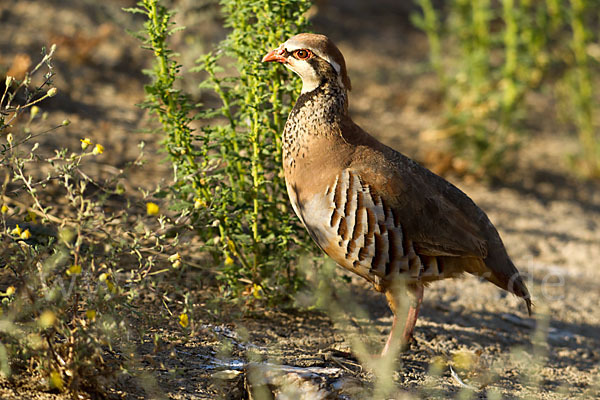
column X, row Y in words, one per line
column 74, row 270
column 16, row 231
column 85, row 143
column 9, row 80
column 231, row 245
column 199, row 203
column 31, row 216
column 4, row 209
column 176, row 260
column 34, row 111
column 229, row 261
column 103, row 277
column 56, row 381
column 91, row 315
column 111, row 286
column 184, row 320
column 10, row 290
column 65, row 122
column 52, row 92
column 25, row 234
column 152, row 208
column 9, row 138
column 98, row 149
column 47, row 319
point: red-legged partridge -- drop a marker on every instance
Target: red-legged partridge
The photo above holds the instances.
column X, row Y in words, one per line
column 374, row 211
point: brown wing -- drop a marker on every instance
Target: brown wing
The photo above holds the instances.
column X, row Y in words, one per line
column 439, row 218
column 435, row 224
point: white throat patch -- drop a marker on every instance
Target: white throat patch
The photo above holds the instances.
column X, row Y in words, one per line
column 310, row 80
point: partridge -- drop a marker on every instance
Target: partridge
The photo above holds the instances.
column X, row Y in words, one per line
column 373, row 210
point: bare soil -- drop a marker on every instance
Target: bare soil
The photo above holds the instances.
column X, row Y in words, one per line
column 549, row 220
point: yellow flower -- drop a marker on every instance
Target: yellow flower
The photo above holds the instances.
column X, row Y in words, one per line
column 4, row 209
column 105, row 277
column 25, row 234
column 229, row 261
column 91, row 315
column 256, row 291
column 111, row 286
column 85, row 143
column 10, row 290
column 47, row 319
column 175, row 259
column 56, row 380
column 184, row 320
column 231, row 245
column 199, row 203
column 152, row 208
column 74, row 270
column 31, row 216
column 98, row 149
column 16, row 231
column 120, row 188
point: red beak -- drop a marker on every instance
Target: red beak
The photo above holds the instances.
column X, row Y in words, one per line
column 275, row 55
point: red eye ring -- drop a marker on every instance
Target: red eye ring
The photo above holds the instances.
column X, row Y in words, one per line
column 302, row 54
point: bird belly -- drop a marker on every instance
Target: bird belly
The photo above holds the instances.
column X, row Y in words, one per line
column 355, row 228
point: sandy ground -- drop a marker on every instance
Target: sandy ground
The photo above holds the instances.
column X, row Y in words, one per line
column 549, row 220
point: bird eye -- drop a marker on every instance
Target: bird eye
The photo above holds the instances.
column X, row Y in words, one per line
column 302, row 54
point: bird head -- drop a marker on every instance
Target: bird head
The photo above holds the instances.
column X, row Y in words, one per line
column 314, row 58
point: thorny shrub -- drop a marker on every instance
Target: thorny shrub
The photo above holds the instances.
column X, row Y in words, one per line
column 71, row 266
column 227, row 158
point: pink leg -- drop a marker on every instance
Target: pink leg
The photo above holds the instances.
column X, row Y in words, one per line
column 416, row 293
column 413, row 314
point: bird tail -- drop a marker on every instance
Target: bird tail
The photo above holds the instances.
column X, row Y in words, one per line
column 498, row 269
column 506, row 275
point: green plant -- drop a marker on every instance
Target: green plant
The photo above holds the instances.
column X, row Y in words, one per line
column 497, row 54
column 227, row 173
column 582, row 89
